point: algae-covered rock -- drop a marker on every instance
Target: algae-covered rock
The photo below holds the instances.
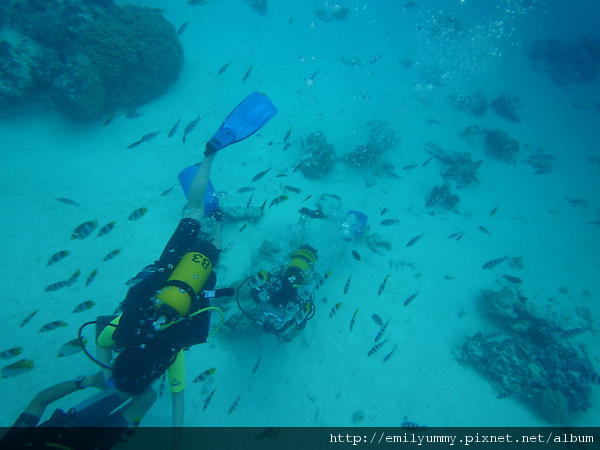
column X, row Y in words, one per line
column 136, row 53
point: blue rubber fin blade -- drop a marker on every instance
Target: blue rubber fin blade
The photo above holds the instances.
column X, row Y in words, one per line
column 211, row 202
column 359, row 223
column 246, row 119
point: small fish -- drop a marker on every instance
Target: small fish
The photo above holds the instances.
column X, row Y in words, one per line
column 91, row 277
column 374, row 59
column 382, row 286
column 314, row 213
column 190, row 127
column 337, row 197
column 112, row 254
column 389, row 222
column 322, row 280
column 167, row 192
column 204, row 375
column 352, row 322
column 411, row 298
column 573, row 332
column 287, row 135
column 590, row 377
column 53, row 326
column 108, row 120
column 71, row 347
column 493, row 211
column 460, row 236
column 335, row 309
column 381, row 331
column 377, row 319
column 18, row 368
column 514, row 280
column 249, row 202
column 433, row 121
column 256, row 366
column 505, row 395
column 84, row 230
column 262, row 207
column 281, row 175
column 493, row 263
column 347, row 286
column 224, row 68
column 259, row 175
column 138, row 213
column 282, row 198
column 389, row 355
column 106, row 229
column 293, row 189
column 306, row 198
column 435, row 201
column 270, row 432
column 243, row 227
column 174, row 128
column 427, row 162
column 414, row 240
column 144, row 138
column 485, row 230
column 285, row 147
column 376, row 348
column 356, row 255
column 182, row 28
column 84, row 306
column 453, row 235
column 56, row 286
column 133, row 115
column 74, row 277
column 58, row 256
column 11, row 353
column 542, row 171
column 410, row 5
column 68, row 201
column 198, row 2
column 28, row 318
column 410, row 167
column 411, row 425
column 245, row 189
column 234, row 404
column 383, row 211
column 247, row 74
column 209, row 398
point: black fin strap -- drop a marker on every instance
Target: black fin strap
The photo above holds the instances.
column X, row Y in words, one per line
column 185, row 287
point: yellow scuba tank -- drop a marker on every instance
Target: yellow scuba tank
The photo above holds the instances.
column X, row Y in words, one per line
column 183, row 285
column 303, row 258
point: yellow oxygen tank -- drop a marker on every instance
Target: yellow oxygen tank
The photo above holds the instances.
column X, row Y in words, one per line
column 303, row 258
column 188, row 276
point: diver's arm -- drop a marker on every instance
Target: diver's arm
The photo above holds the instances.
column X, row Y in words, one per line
column 178, row 410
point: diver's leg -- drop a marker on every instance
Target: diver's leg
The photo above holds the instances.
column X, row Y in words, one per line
column 195, row 209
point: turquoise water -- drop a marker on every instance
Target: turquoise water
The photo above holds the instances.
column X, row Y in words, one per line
column 384, row 62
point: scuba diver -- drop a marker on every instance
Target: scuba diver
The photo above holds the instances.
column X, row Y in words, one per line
column 106, row 409
column 167, row 310
column 280, row 300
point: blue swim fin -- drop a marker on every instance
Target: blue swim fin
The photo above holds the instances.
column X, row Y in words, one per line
column 246, row 119
column 211, row 202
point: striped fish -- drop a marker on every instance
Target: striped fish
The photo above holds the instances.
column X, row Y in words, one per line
column 247, row 73
column 335, row 309
column 235, row 403
column 91, row 277
column 209, row 398
column 11, row 353
column 190, row 127
column 224, row 68
column 411, row 298
column 53, row 326
column 106, row 229
column 138, row 213
column 174, row 129
column 493, row 263
column 376, row 348
column 58, row 256
column 84, row 230
column 347, row 286
column 390, row 354
column 256, row 366
column 414, row 240
column 112, row 254
column 18, row 368
column 89, row 304
column 389, row 222
column 204, row 375
column 381, row 331
column 352, row 322
column 182, row 28
column 71, row 347
column 68, row 201
column 382, row 286
column 28, row 318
